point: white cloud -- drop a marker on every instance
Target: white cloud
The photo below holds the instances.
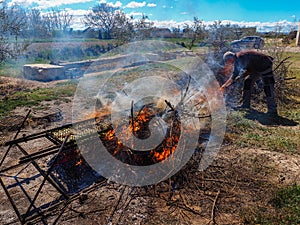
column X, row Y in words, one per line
column 164, row 6
column 167, row 23
column 24, row 3
column 260, row 26
column 151, row 5
column 117, row 4
column 77, row 12
column 44, row 4
column 134, row 4
column 77, row 18
column 135, row 14
column 102, row 1
column 284, row 25
column 184, row 13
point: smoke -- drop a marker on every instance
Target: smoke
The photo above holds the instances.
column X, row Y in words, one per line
column 165, row 77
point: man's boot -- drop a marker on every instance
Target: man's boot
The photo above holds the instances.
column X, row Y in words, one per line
column 272, row 107
column 270, row 96
column 248, row 83
column 246, row 99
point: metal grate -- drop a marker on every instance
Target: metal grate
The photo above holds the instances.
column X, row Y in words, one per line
column 29, row 177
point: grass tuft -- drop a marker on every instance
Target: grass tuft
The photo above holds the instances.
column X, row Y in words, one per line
column 34, row 97
column 250, row 133
column 283, row 209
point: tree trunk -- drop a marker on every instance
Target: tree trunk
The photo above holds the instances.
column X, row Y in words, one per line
column 100, row 34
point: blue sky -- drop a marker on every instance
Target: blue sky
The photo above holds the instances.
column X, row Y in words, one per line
column 170, row 12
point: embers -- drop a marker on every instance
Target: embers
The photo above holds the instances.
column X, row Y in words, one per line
column 74, row 171
column 139, row 126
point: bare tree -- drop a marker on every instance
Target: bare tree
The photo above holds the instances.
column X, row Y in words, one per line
column 218, row 31
column 282, row 64
column 36, row 25
column 143, row 28
column 123, row 29
column 66, row 19
column 236, row 31
column 12, row 21
column 102, row 17
column 42, row 25
column 176, row 31
column 195, row 31
column 57, row 20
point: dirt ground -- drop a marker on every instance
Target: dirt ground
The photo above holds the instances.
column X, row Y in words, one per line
column 239, row 180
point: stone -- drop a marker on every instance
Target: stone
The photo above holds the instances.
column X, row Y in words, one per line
column 43, row 72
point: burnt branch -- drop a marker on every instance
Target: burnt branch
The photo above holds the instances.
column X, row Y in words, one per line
column 117, row 205
column 281, row 62
column 186, row 89
column 213, row 210
column 170, row 105
column 132, row 116
column 290, row 78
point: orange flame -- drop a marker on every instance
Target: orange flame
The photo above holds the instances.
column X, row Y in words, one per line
column 168, row 149
column 110, row 135
column 79, row 162
column 118, row 148
column 99, row 112
column 137, row 124
column 143, row 116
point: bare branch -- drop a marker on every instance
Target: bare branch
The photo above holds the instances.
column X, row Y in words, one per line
column 12, row 21
column 103, row 18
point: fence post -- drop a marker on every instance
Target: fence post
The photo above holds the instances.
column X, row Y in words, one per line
column 298, row 35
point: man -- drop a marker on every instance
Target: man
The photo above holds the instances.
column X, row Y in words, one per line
column 251, row 65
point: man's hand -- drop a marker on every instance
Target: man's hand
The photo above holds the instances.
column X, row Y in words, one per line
column 226, row 84
column 222, row 89
column 238, row 78
column 242, row 74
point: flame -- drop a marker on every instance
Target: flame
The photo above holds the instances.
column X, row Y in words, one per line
column 138, row 123
column 110, row 135
column 140, row 119
column 98, row 113
column 79, row 162
column 102, row 111
column 168, row 149
column 118, row 148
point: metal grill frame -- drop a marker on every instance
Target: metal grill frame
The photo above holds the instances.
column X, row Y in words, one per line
column 35, row 213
